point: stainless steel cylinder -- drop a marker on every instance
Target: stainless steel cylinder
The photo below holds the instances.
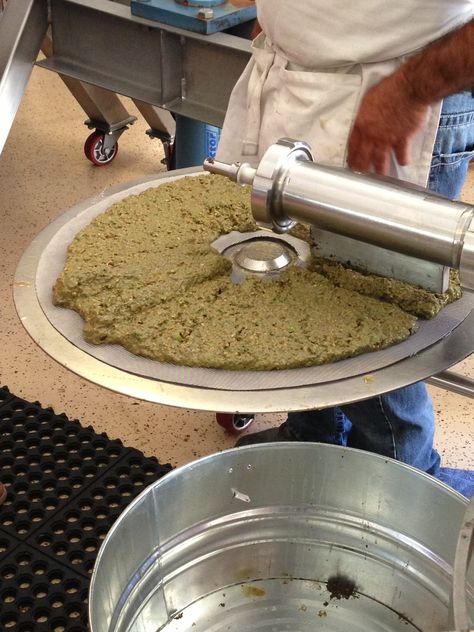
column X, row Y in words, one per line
column 287, row 187
column 377, row 211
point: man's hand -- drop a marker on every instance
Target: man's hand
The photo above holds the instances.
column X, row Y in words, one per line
column 388, row 119
column 393, row 111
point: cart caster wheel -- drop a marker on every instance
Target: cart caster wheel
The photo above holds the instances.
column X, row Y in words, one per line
column 95, row 152
column 235, row 424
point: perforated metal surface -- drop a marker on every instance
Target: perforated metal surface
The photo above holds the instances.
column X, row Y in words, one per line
column 66, row 487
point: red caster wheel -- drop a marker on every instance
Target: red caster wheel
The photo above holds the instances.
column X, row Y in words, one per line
column 235, row 424
column 95, row 152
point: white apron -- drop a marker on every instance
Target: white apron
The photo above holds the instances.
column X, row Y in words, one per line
column 313, row 64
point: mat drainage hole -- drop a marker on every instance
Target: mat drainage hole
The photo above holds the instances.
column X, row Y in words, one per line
column 74, row 612
column 74, row 537
column 21, row 507
column 114, row 502
column 64, row 493
column 41, row 615
column 35, row 496
column 76, row 559
column 102, row 532
column 25, row 605
column 23, row 559
column 9, row 621
column 55, row 581
column 50, row 504
column 60, row 549
column 90, row 546
column 56, row 601
column 36, row 516
column 25, row 581
column 8, row 572
column 89, row 566
column 8, row 596
column 72, row 586
column 71, row 518
column 40, row 591
column 44, row 541
column 40, row 568
column 7, row 520
column 101, row 513
column 77, row 483
column 22, row 528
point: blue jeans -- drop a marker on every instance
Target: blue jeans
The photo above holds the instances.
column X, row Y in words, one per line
column 401, row 424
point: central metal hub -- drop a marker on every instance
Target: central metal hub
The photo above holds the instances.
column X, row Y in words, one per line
column 264, row 255
column 261, row 253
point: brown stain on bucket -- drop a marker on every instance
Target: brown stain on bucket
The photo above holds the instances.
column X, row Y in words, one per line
column 253, row 591
column 340, row 587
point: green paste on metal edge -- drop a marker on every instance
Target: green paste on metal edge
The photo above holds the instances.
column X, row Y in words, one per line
column 144, row 275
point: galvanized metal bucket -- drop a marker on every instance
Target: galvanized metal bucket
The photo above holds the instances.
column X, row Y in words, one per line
column 280, row 537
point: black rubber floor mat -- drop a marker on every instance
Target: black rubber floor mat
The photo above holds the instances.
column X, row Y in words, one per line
column 66, row 487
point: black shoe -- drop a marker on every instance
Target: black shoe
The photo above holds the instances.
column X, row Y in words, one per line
column 280, row 433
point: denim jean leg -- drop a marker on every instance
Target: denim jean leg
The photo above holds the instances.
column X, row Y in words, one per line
column 322, row 426
column 454, row 145
column 399, row 425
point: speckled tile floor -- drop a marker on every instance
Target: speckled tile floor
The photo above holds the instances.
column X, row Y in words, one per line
column 43, row 172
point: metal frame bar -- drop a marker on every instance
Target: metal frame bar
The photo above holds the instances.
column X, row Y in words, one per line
column 184, row 72
column 22, row 28
column 454, row 382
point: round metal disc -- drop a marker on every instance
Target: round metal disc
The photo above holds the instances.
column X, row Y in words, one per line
column 264, row 255
column 228, row 391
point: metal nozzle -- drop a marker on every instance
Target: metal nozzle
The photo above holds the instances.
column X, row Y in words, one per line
column 240, row 173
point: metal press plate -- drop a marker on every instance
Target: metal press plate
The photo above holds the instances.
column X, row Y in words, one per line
column 228, row 391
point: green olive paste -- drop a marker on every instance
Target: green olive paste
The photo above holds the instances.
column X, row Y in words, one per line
column 144, row 275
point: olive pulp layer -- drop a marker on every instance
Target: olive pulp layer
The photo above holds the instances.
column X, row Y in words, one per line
column 144, row 275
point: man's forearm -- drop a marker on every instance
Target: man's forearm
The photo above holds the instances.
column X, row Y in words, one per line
column 395, row 110
column 444, row 68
